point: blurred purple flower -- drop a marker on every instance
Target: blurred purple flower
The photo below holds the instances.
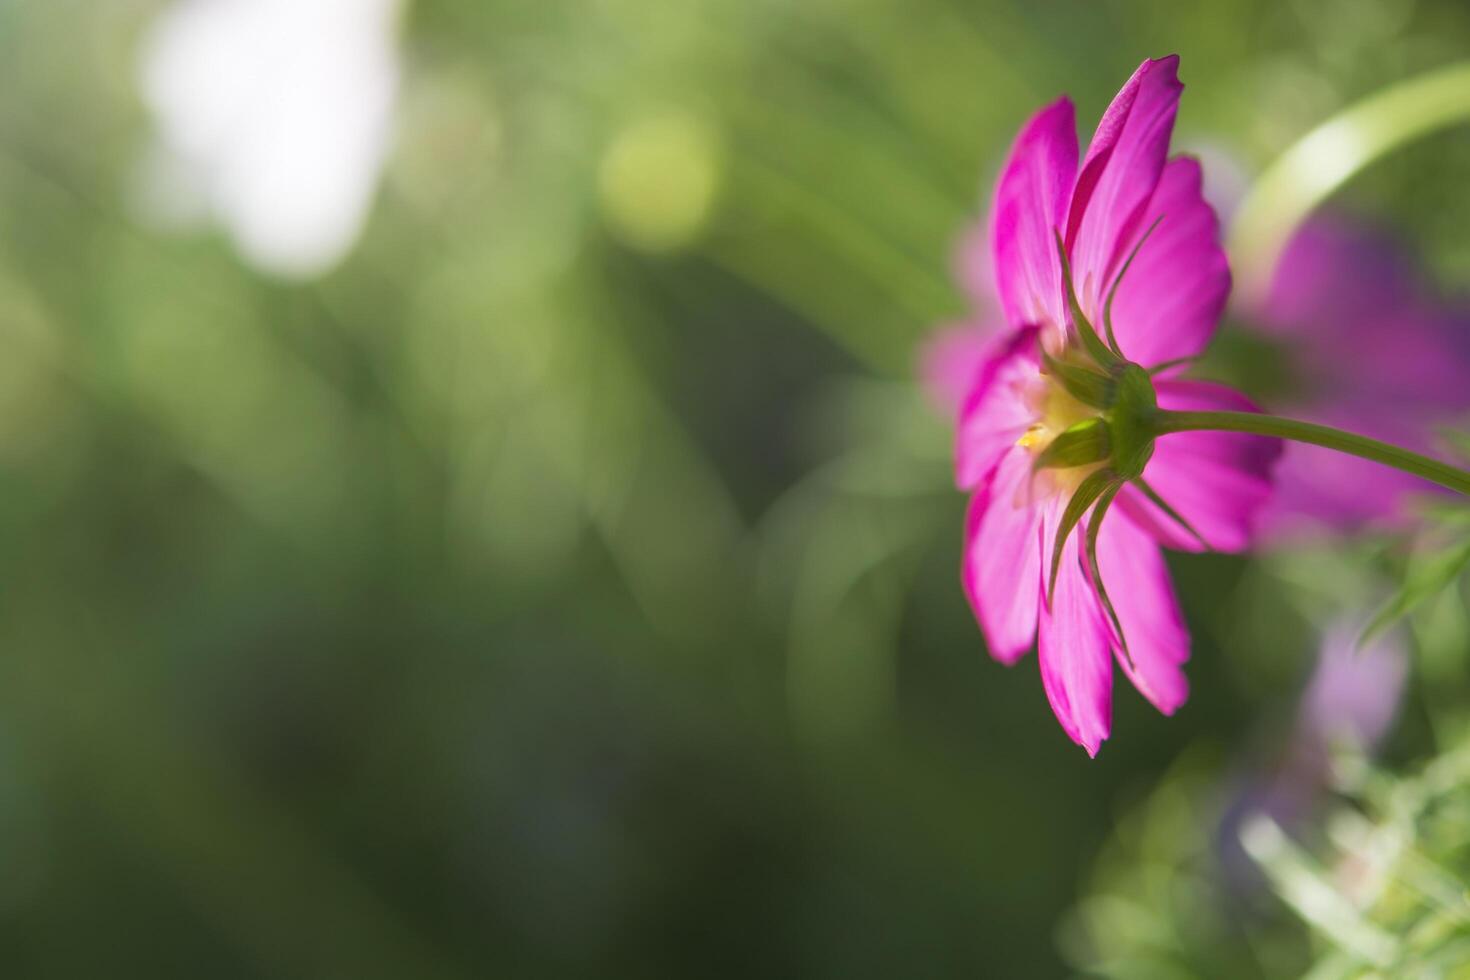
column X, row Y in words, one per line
column 1367, row 351
column 1354, row 693
column 1010, row 410
column 1350, row 703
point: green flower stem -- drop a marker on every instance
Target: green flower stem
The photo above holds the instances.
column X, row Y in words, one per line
column 1164, row 422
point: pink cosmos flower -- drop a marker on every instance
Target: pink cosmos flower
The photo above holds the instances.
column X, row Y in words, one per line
column 1369, row 351
column 1123, row 240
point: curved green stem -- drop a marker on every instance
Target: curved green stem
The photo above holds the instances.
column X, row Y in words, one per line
column 1317, row 435
column 1328, row 156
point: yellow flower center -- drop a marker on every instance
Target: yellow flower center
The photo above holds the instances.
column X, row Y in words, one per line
column 1056, row 411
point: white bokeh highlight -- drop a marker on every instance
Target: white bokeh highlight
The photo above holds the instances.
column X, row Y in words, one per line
column 273, row 120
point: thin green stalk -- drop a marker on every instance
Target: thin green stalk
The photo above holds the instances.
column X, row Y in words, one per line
column 1445, row 475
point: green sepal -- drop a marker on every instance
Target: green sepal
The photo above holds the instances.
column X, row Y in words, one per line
column 1130, row 419
column 1099, row 351
column 1089, row 387
column 1118, row 281
column 1085, row 442
column 1160, row 368
column 1087, row 492
column 1170, row 512
column 1093, row 526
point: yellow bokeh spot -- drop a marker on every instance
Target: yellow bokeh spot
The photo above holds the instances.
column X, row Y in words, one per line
column 658, row 180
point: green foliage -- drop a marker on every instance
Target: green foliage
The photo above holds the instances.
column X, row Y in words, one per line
column 1162, row 903
column 1382, row 893
column 1386, row 890
column 566, row 584
column 1430, row 571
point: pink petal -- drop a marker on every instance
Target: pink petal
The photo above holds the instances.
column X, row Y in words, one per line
column 1216, row 480
column 1119, row 175
column 950, row 362
column 1002, row 567
column 1076, row 670
column 1138, row 583
column 1320, row 490
column 1030, row 202
column 997, row 411
column 1364, row 336
column 974, row 265
column 1173, row 293
column 1334, row 274
column 1372, row 355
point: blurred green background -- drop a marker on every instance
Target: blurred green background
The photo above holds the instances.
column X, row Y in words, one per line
column 564, row 583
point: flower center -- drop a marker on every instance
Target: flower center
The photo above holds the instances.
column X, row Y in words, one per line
column 1056, row 411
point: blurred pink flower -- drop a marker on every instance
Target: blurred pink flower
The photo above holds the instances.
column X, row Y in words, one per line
column 1368, row 352
column 950, row 359
column 1012, row 410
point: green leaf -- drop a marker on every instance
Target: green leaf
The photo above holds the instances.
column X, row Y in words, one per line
column 1444, row 510
column 1427, row 576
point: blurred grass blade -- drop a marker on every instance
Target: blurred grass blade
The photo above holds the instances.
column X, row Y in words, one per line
column 1314, row 898
column 1330, row 155
column 1426, row 578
